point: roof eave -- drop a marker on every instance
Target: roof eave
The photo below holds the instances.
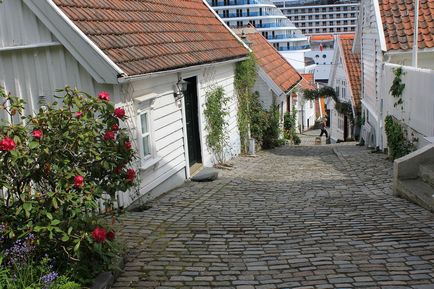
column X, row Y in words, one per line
column 380, row 27
column 125, row 78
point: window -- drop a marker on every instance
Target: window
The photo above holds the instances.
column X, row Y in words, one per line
column 145, row 141
column 145, row 136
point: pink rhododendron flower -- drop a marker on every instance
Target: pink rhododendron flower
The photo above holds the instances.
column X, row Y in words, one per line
column 7, row 144
column 115, row 127
column 37, row 134
column 78, row 181
column 99, row 234
column 131, row 175
column 119, row 112
column 128, row 145
column 103, row 95
column 110, row 135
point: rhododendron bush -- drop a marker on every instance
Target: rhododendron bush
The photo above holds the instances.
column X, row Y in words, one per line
column 55, row 165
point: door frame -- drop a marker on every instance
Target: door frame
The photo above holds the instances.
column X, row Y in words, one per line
column 184, row 120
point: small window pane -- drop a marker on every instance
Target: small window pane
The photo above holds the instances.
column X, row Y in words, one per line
column 146, row 150
column 144, row 122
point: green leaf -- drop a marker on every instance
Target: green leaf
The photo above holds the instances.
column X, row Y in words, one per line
column 33, row 144
column 37, row 229
column 27, row 206
column 65, row 238
column 54, row 203
column 77, row 247
column 49, row 216
column 55, row 222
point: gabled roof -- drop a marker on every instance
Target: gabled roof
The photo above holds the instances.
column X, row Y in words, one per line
column 308, row 76
column 398, row 17
column 307, row 82
column 270, row 60
column 148, row 36
column 352, row 68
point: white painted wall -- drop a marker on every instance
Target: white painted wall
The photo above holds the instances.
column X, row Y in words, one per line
column 220, row 75
column 372, row 60
column 265, row 93
column 32, row 72
column 418, row 96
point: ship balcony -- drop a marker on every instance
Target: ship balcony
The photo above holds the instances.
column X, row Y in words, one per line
column 265, row 3
column 292, row 37
column 250, row 14
column 293, row 48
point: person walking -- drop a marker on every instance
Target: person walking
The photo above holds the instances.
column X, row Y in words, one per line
column 323, row 128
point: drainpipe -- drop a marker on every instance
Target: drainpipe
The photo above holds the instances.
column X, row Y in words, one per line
column 416, row 33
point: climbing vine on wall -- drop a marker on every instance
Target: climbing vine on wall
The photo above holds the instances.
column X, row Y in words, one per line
column 397, row 141
column 216, row 113
column 397, row 87
column 245, row 78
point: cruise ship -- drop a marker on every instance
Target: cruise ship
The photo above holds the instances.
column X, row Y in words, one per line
column 270, row 21
column 321, row 16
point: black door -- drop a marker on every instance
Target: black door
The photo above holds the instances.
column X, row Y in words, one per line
column 345, row 128
column 191, row 115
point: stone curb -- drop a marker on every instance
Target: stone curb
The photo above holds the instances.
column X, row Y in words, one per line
column 105, row 280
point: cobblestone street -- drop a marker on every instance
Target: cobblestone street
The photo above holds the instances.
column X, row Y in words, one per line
column 294, row 217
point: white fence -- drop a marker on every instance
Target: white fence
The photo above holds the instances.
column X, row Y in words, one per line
column 417, row 111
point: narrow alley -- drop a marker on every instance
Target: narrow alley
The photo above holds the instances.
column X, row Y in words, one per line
column 294, row 217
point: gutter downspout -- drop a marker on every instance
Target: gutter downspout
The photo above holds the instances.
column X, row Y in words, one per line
column 415, row 33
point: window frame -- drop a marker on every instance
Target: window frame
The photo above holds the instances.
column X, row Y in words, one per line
column 144, row 158
column 145, row 105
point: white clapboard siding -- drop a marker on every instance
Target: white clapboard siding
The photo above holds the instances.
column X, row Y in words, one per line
column 33, row 64
column 19, row 26
column 372, row 58
column 222, row 75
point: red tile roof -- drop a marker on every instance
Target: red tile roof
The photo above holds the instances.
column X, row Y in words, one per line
column 271, row 61
column 352, row 62
column 154, row 35
column 308, row 77
column 306, row 84
column 398, row 18
column 323, row 37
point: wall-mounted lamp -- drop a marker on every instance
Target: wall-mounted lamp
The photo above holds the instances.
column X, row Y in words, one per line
column 180, row 88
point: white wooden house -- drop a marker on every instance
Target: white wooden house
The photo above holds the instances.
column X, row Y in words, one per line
column 277, row 80
column 138, row 51
column 276, row 77
column 345, row 79
column 385, row 36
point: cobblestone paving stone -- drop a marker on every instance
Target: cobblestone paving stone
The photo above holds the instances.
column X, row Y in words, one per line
column 311, row 217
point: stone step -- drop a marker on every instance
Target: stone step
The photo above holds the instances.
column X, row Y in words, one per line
column 426, row 172
column 417, row 191
column 206, row 175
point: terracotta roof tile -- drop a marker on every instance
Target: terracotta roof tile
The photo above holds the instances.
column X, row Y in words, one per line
column 308, row 76
column 322, row 37
column 352, row 62
column 154, row 35
column 398, row 19
column 307, row 82
column 271, row 61
column 306, row 85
